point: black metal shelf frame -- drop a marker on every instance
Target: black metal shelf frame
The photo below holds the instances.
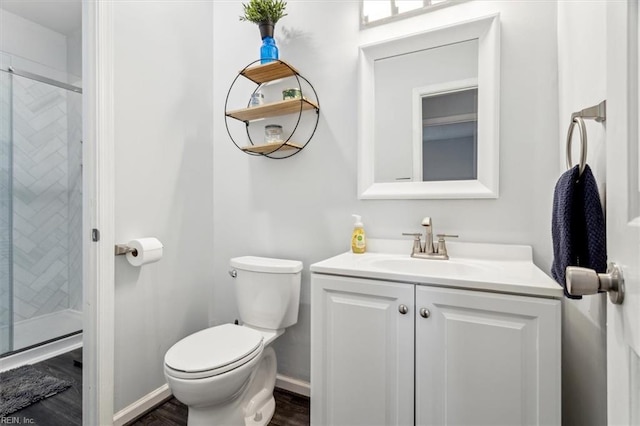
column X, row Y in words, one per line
column 277, row 147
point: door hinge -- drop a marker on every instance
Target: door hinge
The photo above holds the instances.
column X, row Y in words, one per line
column 95, row 235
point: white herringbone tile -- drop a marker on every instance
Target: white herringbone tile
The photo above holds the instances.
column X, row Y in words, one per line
column 50, row 276
column 42, row 264
column 20, row 274
column 25, row 293
column 42, row 296
column 23, row 244
column 24, row 225
column 47, row 134
column 54, row 303
column 22, row 309
column 41, row 198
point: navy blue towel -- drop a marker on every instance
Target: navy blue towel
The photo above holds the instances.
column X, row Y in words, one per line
column 578, row 226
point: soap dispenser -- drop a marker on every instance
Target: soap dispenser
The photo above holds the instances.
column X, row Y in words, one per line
column 358, row 239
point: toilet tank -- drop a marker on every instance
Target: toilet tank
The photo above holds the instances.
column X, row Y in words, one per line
column 267, row 291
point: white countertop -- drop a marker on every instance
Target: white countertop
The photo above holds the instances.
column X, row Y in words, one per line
column 487, row 267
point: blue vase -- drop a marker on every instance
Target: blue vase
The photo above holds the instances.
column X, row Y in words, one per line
column 268, row 51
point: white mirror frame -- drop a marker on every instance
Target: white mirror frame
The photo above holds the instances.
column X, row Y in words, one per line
column 487, row 31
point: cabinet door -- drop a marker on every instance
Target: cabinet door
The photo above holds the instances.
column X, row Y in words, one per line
column 362, row 351
column 487, row 359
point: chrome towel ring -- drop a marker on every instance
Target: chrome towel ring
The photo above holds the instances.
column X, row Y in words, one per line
column 597, row 113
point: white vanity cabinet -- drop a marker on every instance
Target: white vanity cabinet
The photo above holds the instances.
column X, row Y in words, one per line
column 362, row 352
column 486, row 358
column 452, row 357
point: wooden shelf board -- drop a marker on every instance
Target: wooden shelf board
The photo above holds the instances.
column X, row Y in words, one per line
column 271, row 147
column 273, row 109
column 269, row 72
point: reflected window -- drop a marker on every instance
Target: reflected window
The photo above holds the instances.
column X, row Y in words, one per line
column 381, row 11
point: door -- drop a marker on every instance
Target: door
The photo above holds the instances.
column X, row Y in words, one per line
column 486, row 359
column 623, row 212
column 362, row 346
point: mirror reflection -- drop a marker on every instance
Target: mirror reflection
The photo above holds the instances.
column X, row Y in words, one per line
column 449, row 137
column 425, row 114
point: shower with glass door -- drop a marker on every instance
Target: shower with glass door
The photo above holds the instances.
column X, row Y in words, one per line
column 40, row 209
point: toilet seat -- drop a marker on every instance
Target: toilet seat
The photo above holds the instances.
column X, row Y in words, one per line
column 213, row 351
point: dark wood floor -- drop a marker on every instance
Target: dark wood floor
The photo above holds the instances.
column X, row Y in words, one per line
column 63, row 409
column 291, row 410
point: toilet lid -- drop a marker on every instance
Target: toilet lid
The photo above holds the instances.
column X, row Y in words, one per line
column 266, row 264
column 213, row 348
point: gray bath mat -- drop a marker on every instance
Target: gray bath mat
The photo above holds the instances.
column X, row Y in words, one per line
column 25, row 385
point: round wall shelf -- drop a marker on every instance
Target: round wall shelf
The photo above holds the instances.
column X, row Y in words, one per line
column 263, row 75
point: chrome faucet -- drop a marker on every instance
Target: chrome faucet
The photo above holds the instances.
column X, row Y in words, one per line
column 427, row 251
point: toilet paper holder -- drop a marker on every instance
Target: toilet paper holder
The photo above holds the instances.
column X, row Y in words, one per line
column 141, row 251
column 122, row 249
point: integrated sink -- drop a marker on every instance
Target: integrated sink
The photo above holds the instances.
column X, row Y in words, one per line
column 475, row 266
column 413, row 266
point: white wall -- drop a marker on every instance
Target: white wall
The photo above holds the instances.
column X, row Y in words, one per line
column 164, row 183
column 582, row 83
column 37, row 49
column 300, row 208
column 74, row 57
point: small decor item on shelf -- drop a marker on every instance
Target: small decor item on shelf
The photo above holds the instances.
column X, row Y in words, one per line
column 268, row 50
column 257, row 99
column 273, row 133
column 265, row 13
column 291, row 94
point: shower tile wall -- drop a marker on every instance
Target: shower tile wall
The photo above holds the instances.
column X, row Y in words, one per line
column 40, row 199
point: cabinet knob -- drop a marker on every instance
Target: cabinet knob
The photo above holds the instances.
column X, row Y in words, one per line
column 403, row 309
column 424, row 313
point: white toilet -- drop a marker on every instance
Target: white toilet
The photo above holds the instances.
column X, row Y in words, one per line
column 226, row 374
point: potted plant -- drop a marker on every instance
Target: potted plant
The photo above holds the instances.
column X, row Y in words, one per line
column 265, row 13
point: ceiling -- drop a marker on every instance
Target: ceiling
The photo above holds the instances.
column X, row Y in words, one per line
column 61, row 16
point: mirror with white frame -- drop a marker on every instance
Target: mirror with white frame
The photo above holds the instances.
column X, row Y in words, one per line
column 428, row 114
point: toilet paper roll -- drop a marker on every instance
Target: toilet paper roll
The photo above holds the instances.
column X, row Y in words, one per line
column 146, row 250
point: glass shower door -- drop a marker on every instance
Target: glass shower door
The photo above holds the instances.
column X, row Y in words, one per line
column 6, row 291
column 47, row 212
column 40, row 209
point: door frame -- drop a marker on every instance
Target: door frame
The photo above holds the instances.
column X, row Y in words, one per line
column 98, row 213
column 622, row 98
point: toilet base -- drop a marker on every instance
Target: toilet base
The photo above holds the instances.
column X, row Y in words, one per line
column 252, row 404
column 231, row 415
column 217, row 415
column 264, row 414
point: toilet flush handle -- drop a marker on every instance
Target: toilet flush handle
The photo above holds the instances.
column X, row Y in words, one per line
column 233, row 273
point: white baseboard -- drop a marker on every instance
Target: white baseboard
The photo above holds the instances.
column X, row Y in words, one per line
column 293, row 385
column 141, row 406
